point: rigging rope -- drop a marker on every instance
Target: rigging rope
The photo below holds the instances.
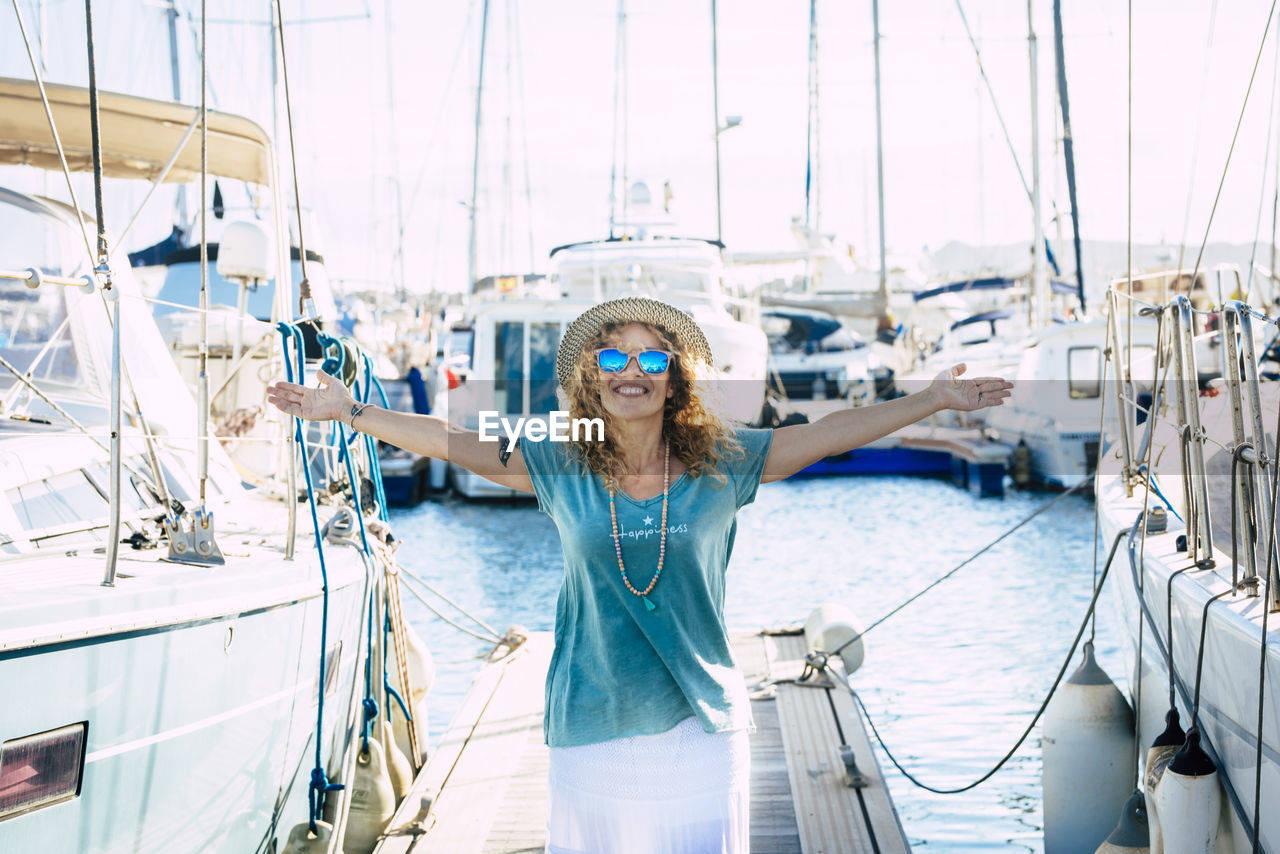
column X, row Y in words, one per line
column 304, row 286
column 1266, row 592
column 1266, row 161
column 53, row 129
column 1039, row 712
column 1195, row 145
column 1231, row 150
column 1017, row 164
column 960, row 566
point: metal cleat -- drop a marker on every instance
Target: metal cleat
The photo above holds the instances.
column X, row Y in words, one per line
column 853, row 778
column 195, row 545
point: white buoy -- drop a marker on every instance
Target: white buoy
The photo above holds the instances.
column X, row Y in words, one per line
column 303, row 841
column 831, row 627
column 398, row 767
column 1190, row 799
column 1088, row 745
column 437, row 474
column 1159, row 755
column 1131, row 832
column 372, row 801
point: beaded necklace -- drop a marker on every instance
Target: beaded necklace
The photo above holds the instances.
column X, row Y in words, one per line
column 662, row 545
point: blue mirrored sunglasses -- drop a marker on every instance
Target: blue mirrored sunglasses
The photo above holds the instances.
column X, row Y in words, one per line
column 613, row 361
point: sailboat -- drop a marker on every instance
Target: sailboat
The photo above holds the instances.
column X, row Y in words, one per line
column 194, row 657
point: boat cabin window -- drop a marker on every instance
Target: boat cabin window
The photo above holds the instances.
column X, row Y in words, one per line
column 34, row 334
column 508, row 366
column 1084, row 372
column 56, row 501
column 524, row 366
column 458, row 347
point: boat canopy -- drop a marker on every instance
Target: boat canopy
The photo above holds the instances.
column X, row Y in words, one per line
column 139, row 135
column 984, row 317
column 805, row 327
column 987, row 283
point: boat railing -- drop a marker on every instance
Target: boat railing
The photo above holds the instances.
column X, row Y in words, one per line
column 1253, row 467
column 1254, row 464
column 34, row 278
column 1195, row 488
column 1123, row 389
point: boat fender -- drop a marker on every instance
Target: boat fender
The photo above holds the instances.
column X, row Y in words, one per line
column 1130, row 835
column 833, row 627
column 398, row 767
column 303, row 841
column 373, row 801
column 1190, row 800
column 1088, row 745
column 1159, row 755
column 422, row 673
column 1020, row 464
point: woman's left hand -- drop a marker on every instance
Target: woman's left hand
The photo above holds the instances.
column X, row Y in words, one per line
column 966, row 395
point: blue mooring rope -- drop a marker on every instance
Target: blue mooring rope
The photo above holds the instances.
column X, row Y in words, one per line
column 371, row 445
column 320, row 785
column 369, row 704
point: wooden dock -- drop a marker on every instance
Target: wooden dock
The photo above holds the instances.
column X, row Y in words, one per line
column 483, row 790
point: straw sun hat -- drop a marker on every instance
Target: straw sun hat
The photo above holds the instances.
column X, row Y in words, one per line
column 688, row 335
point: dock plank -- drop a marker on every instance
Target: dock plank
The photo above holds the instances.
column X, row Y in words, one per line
column 483, row 762
column 832, row 817
column 485, row 783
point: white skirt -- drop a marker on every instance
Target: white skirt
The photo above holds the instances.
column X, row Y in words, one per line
column 683, row 791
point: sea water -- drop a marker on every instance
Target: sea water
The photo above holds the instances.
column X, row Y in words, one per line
column 951, row 681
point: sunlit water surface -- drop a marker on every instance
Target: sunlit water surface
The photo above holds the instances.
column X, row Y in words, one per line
column 951, row 681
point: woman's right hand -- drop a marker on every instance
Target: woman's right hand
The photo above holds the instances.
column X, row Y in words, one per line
column 331, row 400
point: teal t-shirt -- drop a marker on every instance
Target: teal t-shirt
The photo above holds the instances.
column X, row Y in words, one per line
column 618, row 668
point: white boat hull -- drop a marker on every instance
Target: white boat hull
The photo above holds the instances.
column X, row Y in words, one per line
column 201, row 706
column 1229, row 689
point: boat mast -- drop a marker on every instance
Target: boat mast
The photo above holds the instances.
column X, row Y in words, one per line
column 171, row 12
column 882, row 296
column 1039, row 279
column 395, row 155
column 475, row 157
column 811, row 153
column 715, row 123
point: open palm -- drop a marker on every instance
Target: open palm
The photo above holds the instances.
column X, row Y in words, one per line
column 966, row 395
column 330, row 400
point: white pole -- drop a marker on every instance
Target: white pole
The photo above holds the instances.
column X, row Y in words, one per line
column 883, row 297
column 1039, row 280
column 475, row 159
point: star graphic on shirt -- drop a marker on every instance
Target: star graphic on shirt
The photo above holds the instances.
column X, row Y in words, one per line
column 648, row 520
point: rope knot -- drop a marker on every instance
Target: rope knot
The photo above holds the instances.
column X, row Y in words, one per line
column 370, row 709
column 320, row 783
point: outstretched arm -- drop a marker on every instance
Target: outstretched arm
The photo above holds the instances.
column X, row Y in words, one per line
column 801, row 445
column 428, row 435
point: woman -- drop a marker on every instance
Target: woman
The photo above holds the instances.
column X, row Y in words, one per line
column 646, row 713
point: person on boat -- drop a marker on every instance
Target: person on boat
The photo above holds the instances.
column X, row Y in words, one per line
column 646, row 713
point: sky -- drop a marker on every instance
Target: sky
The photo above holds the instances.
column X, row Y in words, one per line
column 383, row 96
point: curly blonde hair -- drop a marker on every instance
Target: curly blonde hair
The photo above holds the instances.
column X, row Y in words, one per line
column 699, row 437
